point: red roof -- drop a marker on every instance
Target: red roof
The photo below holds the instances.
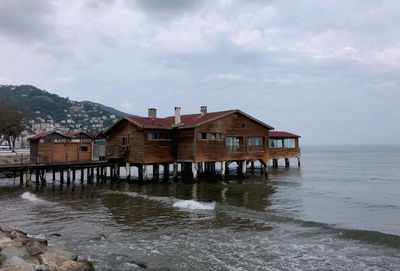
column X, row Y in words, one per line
column 281, row 134
column 168, row 122
column 38, row 136
column 72, row 134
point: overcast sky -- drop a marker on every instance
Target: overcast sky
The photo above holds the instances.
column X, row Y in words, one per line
column 327, row 70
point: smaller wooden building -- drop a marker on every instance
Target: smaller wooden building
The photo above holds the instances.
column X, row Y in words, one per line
column 283, row 145
column 54, row 147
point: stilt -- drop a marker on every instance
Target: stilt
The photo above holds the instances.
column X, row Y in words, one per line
column 287, row 163
column 61, row 176
column 156, row 172
column 98, row 173
column 200, row 167
column 73, row 174
column 275, row 162
column 88, row 177
column 144, row 166
column 21, row 177
column 37, row 175
column 252, row 165
column 116, row 170
column 195, row 171
column 27, row 177
column 54, row 174
column 43, row 177
column 223, row 166
column 166, row 171
column 140, row 172
column 68, row 175
column 244, row 167
column 128, row 170
column 175, row 170
column 82, row 174
column 298, row 161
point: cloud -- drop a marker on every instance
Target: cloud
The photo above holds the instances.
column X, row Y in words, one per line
column 64, row 79
column 26, row 20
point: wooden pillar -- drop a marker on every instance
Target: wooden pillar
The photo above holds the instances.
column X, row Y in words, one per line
column 195, row 167
column 252, row 165
column 43, row 177
column 128, row 170
column 92, row 172
column 68, row 175
column 223, row 167
column 37, row 175
column 73, row 174
column 82, row 170
column 54, row 174
column 144, row 166
column 166, row 171
column 27, row 177
column 61, row 175
column 244, row 167
column 116, row 170
column 98, row 173
column 140, row 172
column 287, row 163
column 175, row 170
column 156, row 172
column 88, row 177
column 275, row 162
column 298, row 161
column 21, row 177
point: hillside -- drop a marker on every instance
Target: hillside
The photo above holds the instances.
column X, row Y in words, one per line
column 47, row 112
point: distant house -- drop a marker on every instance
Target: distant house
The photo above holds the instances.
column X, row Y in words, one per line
column 203, row 137
column 53, row 147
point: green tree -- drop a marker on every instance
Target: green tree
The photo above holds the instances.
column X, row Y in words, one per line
column 11, row 125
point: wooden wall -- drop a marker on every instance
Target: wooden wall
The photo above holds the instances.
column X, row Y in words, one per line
column 186, row 144
column 277, row 153
column 157, row 150
column 209, row 150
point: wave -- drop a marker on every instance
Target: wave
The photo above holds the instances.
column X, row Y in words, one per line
column 194, row 205
column 33, row 198
column 244, row 213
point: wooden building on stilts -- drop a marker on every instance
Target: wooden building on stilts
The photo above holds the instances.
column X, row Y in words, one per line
column 283, row 145
column 195, row 142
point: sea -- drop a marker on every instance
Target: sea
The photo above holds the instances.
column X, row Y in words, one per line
column 339, row 211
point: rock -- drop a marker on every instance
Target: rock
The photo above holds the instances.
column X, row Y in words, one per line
column 72, row 265
column 17, row 234
column 22, row 267
column 35, row 248
column 55, row 235
column 2, row 258
column 54, row 258
column 14, row 250
column 25, row 240
column 15, row 260
column 9, row 230
column 3, row 235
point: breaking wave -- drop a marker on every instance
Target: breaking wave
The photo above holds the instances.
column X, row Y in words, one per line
column 33, row 198
column 194, row 205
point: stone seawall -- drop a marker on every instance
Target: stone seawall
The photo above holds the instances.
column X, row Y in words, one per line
column 18, row 252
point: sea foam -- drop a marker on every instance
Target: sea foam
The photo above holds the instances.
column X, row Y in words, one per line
column 32, row 197
column 194, row 205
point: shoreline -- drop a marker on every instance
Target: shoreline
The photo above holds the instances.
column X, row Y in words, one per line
column 18, row 252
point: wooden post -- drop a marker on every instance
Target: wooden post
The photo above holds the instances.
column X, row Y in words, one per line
column 275, row 162
column 68, row 175
column 116, row 170
column 27, row 177
column 61, row 175
column 175, row 170
column 37, row 175
column 156, row 172
column 244, row 167
column 223, row 166
column 195, row 167
column 144, row 166
column 140, row 172
column 166, row 171
column 43, row 176
column 82, row 170
column 287, row 163
column 88, row 174
column 21, row 177
column 252, row 165
column 128, row 170
column 73, row 174
column 54, row 174
column 298, row 161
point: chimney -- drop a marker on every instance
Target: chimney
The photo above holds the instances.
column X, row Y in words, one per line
column 152, row 113
column 177, row 115
column 203, row 110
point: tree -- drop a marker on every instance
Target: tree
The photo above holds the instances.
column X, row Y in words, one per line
column 11, row 125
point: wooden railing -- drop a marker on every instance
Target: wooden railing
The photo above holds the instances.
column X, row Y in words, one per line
column 117, row 150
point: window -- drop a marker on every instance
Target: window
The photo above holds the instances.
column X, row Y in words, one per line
column 83, row 148
column 255, row 143
column 275, row 143
column 289, row 143
column 159, row 136
column 209, row 135
column 234, row 143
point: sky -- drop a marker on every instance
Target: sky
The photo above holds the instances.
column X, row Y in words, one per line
column 326, row 70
